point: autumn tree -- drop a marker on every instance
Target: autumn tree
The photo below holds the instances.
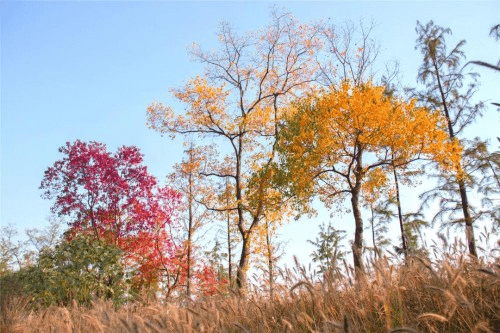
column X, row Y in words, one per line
column 115, row 199
column 237, row 103
column 353, row 53
column 339, row 145
column 450, row 91
column 12, row 252
column 185, row 175
column 46, row 238
column 16, row 254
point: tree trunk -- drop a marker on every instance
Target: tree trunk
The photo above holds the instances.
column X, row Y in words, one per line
column 229, row 250
column 400, row 214
column 241, row 275
column 190, row 231
column 245, row 248
column 469, row 228
column 357, row 246
column 270, row 262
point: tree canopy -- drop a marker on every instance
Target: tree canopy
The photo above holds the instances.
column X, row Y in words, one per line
column 114, row 198
column 342, row 143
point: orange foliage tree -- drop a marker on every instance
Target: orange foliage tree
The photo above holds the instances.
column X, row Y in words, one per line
column 344, row 143
column 238, row 104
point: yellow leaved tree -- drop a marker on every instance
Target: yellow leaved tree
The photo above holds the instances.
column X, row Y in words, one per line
column 238, row 105
column 345, row 142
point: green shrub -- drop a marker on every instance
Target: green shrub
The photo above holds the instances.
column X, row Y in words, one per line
column 81, row 269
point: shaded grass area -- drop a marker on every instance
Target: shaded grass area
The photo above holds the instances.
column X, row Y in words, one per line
column 455, row 295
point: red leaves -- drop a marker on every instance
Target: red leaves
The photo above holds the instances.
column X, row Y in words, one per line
column 113, row 197
column 209, row 282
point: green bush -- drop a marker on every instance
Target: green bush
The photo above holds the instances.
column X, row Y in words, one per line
column 82, row 269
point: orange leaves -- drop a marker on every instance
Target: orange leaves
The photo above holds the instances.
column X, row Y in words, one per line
column 200, row 96
column 260, row 119
column 206, row 104
column 376, row 179
column 361, row 112
column 206, row 110
column 161, row 118
column 354, row 132
column 379, row 122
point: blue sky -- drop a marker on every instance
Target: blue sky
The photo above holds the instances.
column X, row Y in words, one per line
column 88, row 70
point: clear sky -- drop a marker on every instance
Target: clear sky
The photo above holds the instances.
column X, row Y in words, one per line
column 88, row 70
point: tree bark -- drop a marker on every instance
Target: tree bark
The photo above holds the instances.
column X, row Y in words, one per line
column 190, row 231
column 357, row 246
column 400, row 214
column 270, row 262
column 229, row 250
column 469, row 228
column 241, row 275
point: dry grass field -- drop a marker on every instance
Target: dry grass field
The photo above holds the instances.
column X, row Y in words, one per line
column 455, row 295
column 452, row 296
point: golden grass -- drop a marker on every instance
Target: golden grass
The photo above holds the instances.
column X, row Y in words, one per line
column 453, row 296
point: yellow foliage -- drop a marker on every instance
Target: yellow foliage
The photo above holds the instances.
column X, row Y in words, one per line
column 354, row 133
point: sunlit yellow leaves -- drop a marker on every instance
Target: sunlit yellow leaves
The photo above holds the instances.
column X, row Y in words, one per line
column 161, row 118
column 375, row 180
column 206, row 110
column 260, row 120
column 206, row 103
column 355, row 132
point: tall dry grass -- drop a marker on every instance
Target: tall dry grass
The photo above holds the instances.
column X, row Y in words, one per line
column 456, row 295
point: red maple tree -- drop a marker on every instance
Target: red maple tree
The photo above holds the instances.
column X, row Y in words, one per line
column 113, row 197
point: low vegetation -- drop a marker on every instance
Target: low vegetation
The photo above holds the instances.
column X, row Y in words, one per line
column 454, row 295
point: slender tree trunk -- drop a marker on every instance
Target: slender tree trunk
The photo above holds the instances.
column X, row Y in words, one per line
column 400, row 214
column 229, row 250
column 469, row 228
column 270, row 262
column 92, row 218
column 190, row 231
column 94, row 225
column 357, row 246
column 241, row 275
column 245, row 248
